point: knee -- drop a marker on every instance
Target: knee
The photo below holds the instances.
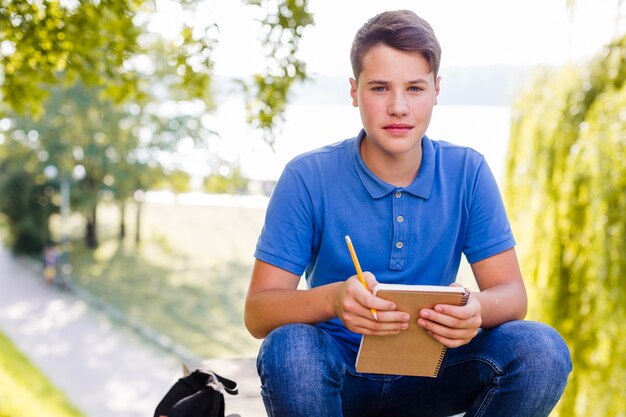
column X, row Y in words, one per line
column 539, row 350
column 296, row 350
column 299, row 369
column 542, row 344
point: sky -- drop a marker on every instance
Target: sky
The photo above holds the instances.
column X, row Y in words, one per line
column 478, row 32
column 471, row 33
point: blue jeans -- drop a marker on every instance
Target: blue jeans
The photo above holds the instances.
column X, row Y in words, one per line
column 517, row 369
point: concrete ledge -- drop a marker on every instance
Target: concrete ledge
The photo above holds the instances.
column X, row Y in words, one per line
column 248, row 403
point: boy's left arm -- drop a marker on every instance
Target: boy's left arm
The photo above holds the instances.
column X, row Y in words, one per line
column 502, row 298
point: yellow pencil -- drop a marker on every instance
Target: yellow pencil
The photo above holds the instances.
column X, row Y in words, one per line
column 359, row 273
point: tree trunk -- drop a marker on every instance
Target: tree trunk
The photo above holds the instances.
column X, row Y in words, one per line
column 139, row 205
column 122, row 220
column 91, row 232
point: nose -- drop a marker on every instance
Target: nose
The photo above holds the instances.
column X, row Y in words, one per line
column 398, row 105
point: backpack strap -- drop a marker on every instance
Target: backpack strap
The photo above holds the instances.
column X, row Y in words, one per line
column 229, row 385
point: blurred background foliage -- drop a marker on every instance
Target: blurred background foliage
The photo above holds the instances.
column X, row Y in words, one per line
column 94, row 100
column 565, row 189
column 268, row 97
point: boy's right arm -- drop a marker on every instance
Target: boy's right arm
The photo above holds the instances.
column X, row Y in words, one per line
column 273, row 300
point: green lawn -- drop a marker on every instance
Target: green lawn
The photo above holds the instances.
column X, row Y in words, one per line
column 187, row 279
column 24, row 391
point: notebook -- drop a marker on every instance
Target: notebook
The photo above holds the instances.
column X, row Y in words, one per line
column 412, row 351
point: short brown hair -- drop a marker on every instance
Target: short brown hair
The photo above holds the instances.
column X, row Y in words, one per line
column 400, row 29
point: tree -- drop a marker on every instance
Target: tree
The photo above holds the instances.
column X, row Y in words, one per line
column 228, row 180
column 25, row 200
column 88, row 80
column 565, row 188
column 97, row 42
column 130, row 180
column 81, row 136
column 86, row 40
column 267, row 97
column 82, row 131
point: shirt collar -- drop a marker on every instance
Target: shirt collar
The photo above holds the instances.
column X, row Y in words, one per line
column 377, row 188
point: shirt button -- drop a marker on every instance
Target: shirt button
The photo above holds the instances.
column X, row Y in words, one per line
column 398, row 194
column 399, row 245
column 400, row 219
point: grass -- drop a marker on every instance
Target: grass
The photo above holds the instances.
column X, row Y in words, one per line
column 187, row 279
column 25, row 391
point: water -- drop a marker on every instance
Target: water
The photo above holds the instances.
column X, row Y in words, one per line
column 309, row 126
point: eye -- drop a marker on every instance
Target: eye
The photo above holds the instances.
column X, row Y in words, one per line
column 379, row 89
column 415, row 89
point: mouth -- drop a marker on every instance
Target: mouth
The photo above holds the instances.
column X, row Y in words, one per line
column 397, row 128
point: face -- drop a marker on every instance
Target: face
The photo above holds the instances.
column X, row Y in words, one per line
column 395, row 94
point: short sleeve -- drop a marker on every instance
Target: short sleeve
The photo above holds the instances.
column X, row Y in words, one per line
column 489, row 231
column 285, row 240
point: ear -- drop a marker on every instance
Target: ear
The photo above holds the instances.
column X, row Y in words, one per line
column 437, row 88
column 353, row 88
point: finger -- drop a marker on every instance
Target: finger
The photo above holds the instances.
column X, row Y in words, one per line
column 444, row 319
column 378, row 327
column 370, row 279
column 364, row 325
column 373, row 332
column 446, row 332
column 459, row 312
column 380, row 304
column 451, row 343
column 364, row 297
column 393, row 316
column 354, row 307
column 367, row 331
column 384, row 318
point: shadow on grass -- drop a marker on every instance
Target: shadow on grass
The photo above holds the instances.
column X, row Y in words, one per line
column 199, row 305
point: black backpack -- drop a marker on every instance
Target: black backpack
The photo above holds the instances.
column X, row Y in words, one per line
column 199, row 394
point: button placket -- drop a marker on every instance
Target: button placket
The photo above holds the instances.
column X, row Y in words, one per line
column 400, row 232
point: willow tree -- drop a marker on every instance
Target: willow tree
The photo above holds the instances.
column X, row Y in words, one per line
column 565, row 188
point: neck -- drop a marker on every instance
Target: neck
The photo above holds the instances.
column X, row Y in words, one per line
column 397, row 170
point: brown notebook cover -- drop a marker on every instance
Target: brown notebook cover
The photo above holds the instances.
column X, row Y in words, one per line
column 412, row 351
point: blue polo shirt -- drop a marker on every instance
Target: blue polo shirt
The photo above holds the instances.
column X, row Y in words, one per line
column 411, row 235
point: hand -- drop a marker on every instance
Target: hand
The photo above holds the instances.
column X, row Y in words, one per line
column 452, row 325
column 352, row 305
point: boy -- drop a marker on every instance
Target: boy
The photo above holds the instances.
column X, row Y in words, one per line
column 411, row 206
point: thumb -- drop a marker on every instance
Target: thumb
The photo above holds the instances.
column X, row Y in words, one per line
column 370, row 280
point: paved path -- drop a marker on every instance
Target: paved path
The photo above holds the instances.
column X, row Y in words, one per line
column 104, row 368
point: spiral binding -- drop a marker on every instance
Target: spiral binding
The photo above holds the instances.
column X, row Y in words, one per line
column 466, row 295
column 440, row 361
